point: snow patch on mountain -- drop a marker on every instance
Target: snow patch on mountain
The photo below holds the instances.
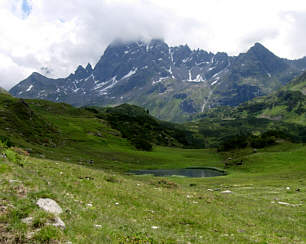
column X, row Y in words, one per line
column 216, row 81
column 76, row 90
column 171, row 55
column 113, row 81
column 170, row 72
column 29, row 88
column 131, row 72
column 201, row 63
column 100, row 85
column 198, row 78
column 159, row 80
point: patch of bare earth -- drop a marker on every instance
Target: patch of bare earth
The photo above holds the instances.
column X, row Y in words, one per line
column 21, row 191
column 5, row 235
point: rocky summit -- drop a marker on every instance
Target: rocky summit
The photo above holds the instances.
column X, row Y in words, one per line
column 172, row 82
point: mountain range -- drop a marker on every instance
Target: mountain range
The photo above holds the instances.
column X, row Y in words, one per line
column 173, row 83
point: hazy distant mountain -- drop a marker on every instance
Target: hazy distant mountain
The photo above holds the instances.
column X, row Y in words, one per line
column 172, row 82
column 2, row 90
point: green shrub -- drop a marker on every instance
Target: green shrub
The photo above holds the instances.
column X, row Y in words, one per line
column 141, row 144
column 234, row 142
column 261, row 142
column 5, row 142
column 258, row 142
column 12, row 156
column 111, row 179
column 142, row 130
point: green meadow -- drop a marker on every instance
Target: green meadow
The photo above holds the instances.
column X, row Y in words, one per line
column 266, row 202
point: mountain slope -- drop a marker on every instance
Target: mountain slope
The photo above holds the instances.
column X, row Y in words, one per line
column 3, row 91
column 298, row 84
column 287, row 105
column 172, row 82
column 252, row 74
column 283, row 111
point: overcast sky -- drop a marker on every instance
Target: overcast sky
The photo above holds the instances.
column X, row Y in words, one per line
column 54, row 36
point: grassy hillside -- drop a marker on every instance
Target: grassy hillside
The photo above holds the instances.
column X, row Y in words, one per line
column 106, row 137
column 283, row 111
column 137, row 124
column 298, row 84
column 266, row 203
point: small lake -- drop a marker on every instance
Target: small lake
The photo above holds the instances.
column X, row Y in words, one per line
column 188, row 172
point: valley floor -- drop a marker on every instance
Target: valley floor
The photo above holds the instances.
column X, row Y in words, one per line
column 261, row 201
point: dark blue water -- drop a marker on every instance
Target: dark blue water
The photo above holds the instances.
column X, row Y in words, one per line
column 188, row 172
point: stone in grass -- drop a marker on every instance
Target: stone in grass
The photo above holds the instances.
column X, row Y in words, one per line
column 49, row 205
column 284, row 203
column 27, row 220
column 226, row 192
column 14, row 181
column 289, row 204
column 59, row 223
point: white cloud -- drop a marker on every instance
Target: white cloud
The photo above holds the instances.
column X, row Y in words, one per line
column 60, row 35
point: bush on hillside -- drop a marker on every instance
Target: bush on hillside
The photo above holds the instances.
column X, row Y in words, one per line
column 5, row 142
column 234, row 142
column 143, row 130
column 262, row 141
column 141, row 144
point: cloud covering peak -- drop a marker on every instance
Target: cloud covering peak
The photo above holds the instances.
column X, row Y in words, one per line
column 54, row 37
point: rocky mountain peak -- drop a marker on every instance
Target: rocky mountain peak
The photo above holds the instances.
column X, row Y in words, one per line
column 259, row 61
column 81, row 72
column 157, row 44
column 36, row 75
column 260, row 51
column 89, row 68
column 80, row 69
